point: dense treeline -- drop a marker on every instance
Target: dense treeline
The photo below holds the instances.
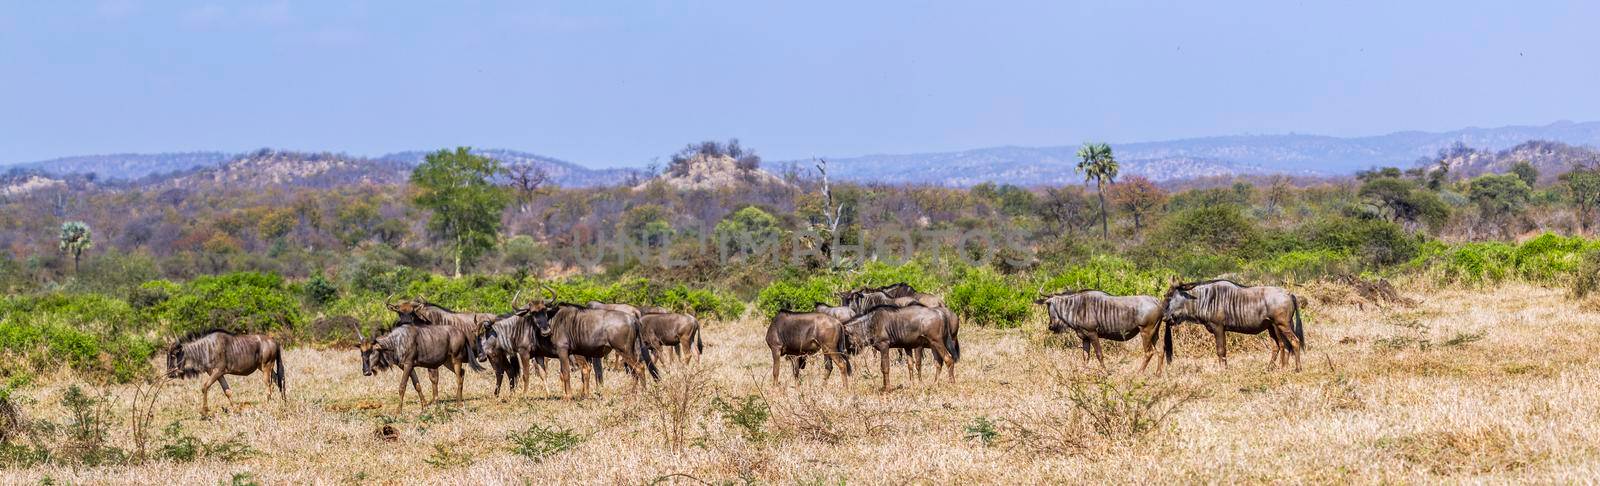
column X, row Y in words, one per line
column 305, row 262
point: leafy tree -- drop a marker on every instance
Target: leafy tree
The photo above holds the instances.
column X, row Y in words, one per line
column 466, row 206
column 1526, row 172
column 1402, row 201
column 1583, row 188
column 748, row 224
column 1138, row 197
column 1097, row 164
column 75, row 238
column 1499, row 196
column 276, row 223
column 1378, row 173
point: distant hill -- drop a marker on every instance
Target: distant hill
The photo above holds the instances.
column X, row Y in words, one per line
column 712, row 172
column 563, row 173
column 127, row 166
column 1551, row 159
column 266, row 168
column 1201, row 157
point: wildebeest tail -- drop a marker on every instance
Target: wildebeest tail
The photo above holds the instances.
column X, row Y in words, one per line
column 950, row 341
column 472, row 356
column 699, row 346
column 840, row 347
column 644, row 351
column 1299, row 330
column 1166, row 338
column 277, row 374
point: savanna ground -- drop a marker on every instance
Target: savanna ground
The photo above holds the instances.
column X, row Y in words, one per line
column 1492, row 384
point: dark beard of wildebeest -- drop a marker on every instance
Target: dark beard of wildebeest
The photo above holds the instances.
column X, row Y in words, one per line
column 216, row 353
column 1094, row 315
column 573, row 330
column 512, row 345
column 911, row 327
column 1224, row 306
column 672, row 329
column 412, row 346
column 803, row 334
column 420, row 311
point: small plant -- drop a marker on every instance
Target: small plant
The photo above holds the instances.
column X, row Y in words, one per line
column 239, row 479
column 983, row 431
column 748, row 414
column 539, row 442
column 178, row 446
column 1462, row 338
column 444, row 458
column 320, row 291
column 1124, row 411
column 87, row 429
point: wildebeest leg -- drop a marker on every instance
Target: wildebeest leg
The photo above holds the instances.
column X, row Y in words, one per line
column 944, row 354
column 416, row 384
column 1278, row 358
column 433, row 376
column 205, row 392
column 777, row 357
column 227, row 392
column 405, row 373
column 799, row 361
column 883, row 353
column 1083, row 340
column 461, row 379
column 1291, row 343
column 566, row 373
column 1147, row 336
column 1221, row 334
column 1099, row 353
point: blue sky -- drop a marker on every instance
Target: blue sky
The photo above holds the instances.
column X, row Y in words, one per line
column 615, row 83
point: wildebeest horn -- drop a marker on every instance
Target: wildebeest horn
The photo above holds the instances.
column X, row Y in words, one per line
column 359, row 336
column 553, row 296
column 514, row 298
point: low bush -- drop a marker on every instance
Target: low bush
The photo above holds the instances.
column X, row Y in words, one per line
column 539, row 442
column 243, row 302
column 987, row 298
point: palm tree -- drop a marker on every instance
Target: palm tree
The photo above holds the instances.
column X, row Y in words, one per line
column 1097, row 164
column 75, row 239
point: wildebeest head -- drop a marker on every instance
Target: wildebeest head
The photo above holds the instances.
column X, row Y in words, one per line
column 175, row 364
column 540, row 309
column 372, row 353
column 406, row 311
column 1179, row 303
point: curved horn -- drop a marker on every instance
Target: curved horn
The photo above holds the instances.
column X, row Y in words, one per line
column 388, row 300
column 514, row 298
column 553, row 296
column 361, row 338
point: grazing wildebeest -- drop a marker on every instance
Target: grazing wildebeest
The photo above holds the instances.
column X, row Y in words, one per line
column 900, row 294
column 501, row 355
column 411, row 346
column 803, row 334
column 216, row 353
column 1224, row 306
column 521, row 348
column 911, row 327
column 672, row 329
column 1096, row 315
column 574, row 330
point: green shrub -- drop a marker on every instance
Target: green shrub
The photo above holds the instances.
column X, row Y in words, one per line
column 320, row 291
column 989, row 299
column 1304, row 265
column 1376, row 243
column 539, row 442
column 243, row 301
column 1586, row 279
column 1477, row 263
column 797, row 294
column 749, row 414
column 1549, row 258
column 877, row 274
column 1112, row 274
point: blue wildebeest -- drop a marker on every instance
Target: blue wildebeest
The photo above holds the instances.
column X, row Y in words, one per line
column 802, row 334
column 573, row 331
column 1223, row 306
column 513, row 346
column 420, row 311
column 911, row 327
column 672, row 329
column 215, row 353
column 412, row 346
column 1096, row 315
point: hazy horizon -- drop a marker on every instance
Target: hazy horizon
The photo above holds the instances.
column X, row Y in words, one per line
column 607, row 85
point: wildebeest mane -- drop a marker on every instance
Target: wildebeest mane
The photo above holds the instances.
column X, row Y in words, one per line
column 190, row 337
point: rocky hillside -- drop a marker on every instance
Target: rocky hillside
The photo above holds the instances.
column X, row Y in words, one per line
column 1550, row 158
column 265, row 168
column 712, row 172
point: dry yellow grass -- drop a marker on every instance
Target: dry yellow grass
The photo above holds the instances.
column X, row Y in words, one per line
column 1492, row 385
